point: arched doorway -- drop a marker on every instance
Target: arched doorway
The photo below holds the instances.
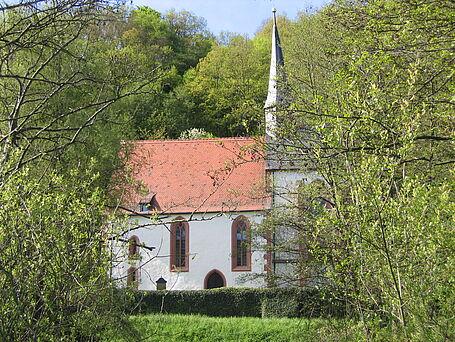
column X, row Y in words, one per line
column 214, row 279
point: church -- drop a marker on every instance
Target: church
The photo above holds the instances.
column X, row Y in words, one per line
column 190, row 221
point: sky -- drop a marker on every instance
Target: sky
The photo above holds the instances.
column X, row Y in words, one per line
column 238, row 16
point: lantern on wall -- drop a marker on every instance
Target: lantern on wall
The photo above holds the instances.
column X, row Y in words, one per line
column 161, row 284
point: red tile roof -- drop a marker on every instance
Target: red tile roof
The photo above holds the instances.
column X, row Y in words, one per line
column 202, row 175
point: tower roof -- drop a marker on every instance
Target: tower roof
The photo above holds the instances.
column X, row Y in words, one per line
column 275, row 95
column 276, row 65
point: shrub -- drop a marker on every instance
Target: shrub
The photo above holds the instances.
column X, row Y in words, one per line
column 239, row 302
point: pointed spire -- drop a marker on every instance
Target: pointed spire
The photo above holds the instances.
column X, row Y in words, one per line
column 274, row 96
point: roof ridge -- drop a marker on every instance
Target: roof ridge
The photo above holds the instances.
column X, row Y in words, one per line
column 192, row 140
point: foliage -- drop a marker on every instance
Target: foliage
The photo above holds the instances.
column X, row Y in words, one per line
column 223, row 93
column 219, row 87
column 62, row 78
column 170, row 44
column 270, row 302
column 54, row 266
column 228, row 89
column 195, row 133
column 372, row 117
column 179, row 39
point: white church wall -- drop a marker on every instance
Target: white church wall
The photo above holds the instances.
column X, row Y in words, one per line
column 285, row 196
column 209, row 249
column 286, row 184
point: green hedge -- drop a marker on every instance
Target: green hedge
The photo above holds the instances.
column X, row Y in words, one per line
column 239, row 302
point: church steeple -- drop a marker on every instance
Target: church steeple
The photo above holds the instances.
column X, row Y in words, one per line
column 274, row 95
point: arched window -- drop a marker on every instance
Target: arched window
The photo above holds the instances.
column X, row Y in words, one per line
column 179, row 245
column 214, row 279
column 132, row 279
column 133, row 246
column 241, row 244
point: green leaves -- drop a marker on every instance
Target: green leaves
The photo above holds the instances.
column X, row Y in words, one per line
column 54, row 262
column 372, row 105
column 229, row 88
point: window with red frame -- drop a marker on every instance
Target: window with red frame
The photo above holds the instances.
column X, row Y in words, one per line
column 132, row 279
column 179, row 245
column 133, row 246
column 241, row 244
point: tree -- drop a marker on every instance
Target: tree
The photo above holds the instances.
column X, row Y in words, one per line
column 192, row 40
column 62, row 79
column 174, row 42
column 54, row 263
column 228, row 89
column 59, row 78
column 372, row 117
column 195, row 133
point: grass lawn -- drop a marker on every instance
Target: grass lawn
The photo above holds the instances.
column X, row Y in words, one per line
column 189, row 328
